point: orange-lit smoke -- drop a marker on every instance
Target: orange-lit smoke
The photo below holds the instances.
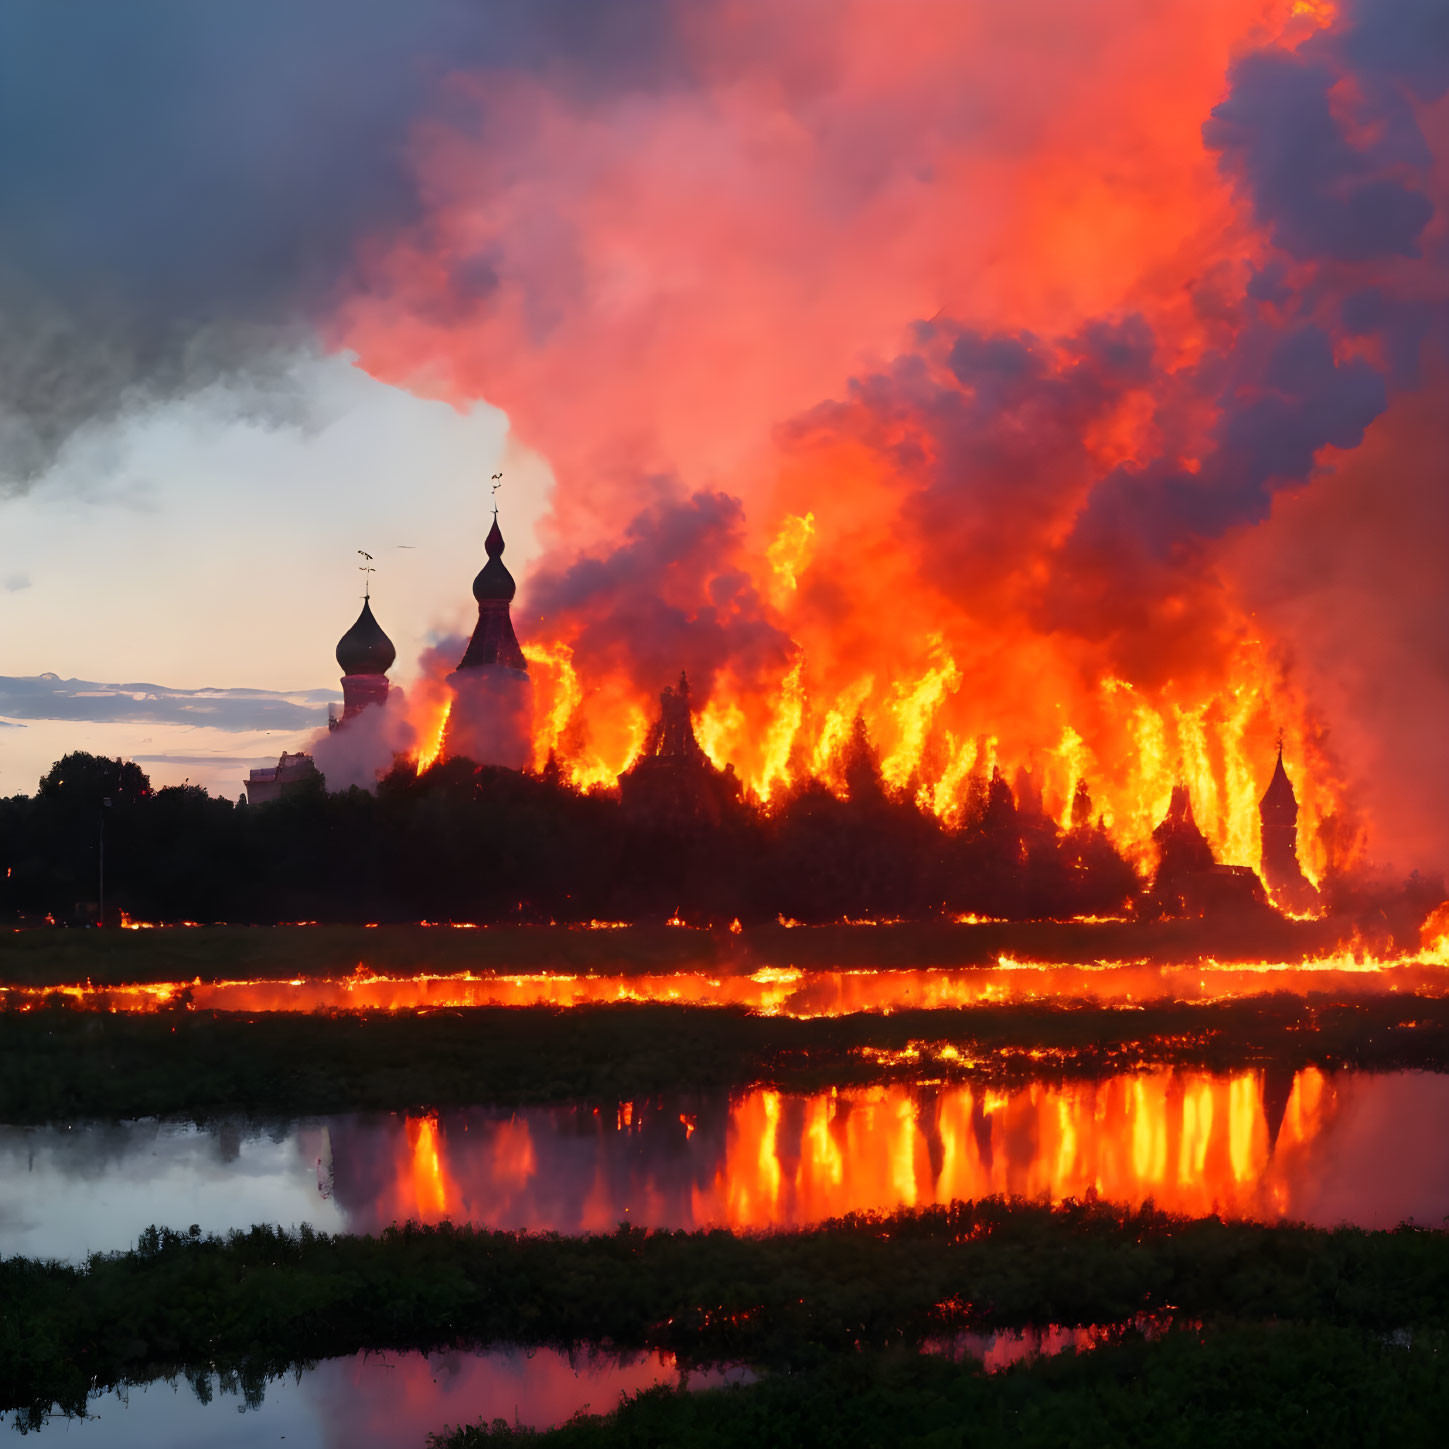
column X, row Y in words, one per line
column 703, row 308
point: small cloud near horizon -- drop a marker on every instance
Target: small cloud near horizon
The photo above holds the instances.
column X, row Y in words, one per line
column 48, row 697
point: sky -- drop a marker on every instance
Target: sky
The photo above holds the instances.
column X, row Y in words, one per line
column 1058, row 386
column 198, row 545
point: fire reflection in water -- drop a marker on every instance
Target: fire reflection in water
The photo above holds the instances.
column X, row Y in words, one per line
column 1261, row 1144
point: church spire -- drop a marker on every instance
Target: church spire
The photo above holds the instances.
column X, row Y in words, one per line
column 1278, row 814
column 1279, row 805
column 494, row 644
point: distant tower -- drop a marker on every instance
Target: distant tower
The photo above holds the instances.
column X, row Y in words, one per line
column 365, row 654
column 1189, row 881
column 494, row 644
column 1278, row 814
column 489, row 720
column 672, row 735
column 673, row 781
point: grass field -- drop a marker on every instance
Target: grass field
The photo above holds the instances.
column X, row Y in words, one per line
column 262, row 1301
column 58, row 1064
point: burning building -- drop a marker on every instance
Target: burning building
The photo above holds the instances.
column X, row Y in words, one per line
column 673, row 781
column 1278, row 812
column 361, row 743
column 1189, row 881
column 490, row 718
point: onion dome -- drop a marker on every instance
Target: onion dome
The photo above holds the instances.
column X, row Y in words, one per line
column 1279, row 801
column 364, row 648
column 494, row 583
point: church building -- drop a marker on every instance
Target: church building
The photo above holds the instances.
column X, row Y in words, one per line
column 1278, row 815
column 364, row 654
column 673, row 781
column 490, row 720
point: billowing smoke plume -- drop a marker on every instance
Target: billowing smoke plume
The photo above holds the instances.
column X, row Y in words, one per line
column 187, row 186
column 490, row 718
column 1340, row 148
column 673, row 592
column 1022, row 521
column 365, row 747
column 1018, row 395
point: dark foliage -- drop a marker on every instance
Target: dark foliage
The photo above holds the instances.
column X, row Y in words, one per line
column 264, row 1299
column 486, row 844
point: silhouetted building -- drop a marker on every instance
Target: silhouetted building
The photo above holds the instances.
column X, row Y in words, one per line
column 291, row 772
column 490, row 718
column 1189, row 881
column 364, row 654
column 494, row 644
column 1278, row 815
column 673, row 781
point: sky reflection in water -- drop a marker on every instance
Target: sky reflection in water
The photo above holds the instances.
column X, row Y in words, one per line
column 367, row 1401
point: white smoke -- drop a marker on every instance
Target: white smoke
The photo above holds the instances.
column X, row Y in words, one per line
column 361, row 751
column 491, row 719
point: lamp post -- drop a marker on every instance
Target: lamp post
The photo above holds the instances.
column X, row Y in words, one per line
column 101, row 912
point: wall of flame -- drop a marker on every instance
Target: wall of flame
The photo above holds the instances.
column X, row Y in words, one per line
column 927, row 370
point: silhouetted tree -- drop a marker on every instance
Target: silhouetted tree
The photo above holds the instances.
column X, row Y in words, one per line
column 462, row 842
column 84, row 780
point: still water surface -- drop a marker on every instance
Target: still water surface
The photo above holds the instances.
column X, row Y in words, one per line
column 367, row 1401
column 389, row 1400
column 1326, row 1148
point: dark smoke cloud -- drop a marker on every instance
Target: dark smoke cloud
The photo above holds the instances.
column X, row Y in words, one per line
column 1349, row 572
column 670, row 597
column 182, row 187
column 994, row 464
column 1339, row 172
column 1400, row 40
column 1281, row 397
column 1321, row 195
column 1349, row 198
column 985, row 433
column 1005, row 506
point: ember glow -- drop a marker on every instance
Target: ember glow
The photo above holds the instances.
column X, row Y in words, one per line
column 772, row 991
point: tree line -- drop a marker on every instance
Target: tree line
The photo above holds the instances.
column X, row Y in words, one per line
column 479, row 843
